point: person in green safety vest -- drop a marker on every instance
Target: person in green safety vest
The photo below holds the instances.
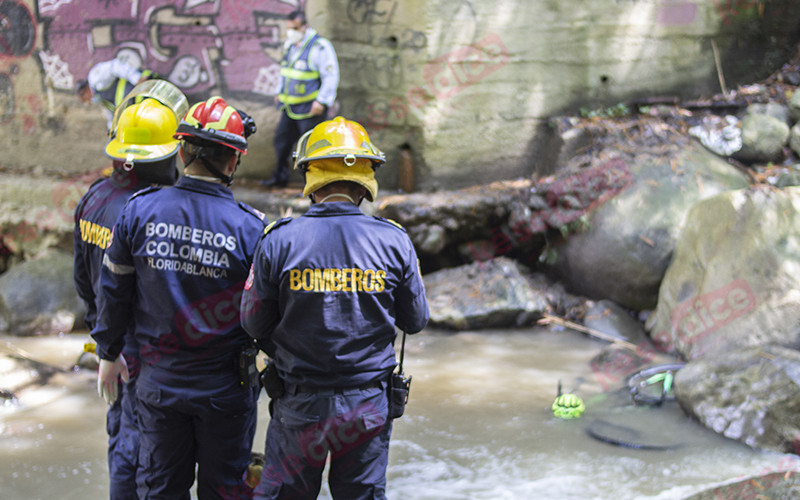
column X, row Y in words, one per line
column 308, row 84
column 109, row 82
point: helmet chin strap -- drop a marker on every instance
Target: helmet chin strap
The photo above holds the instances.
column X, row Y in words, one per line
column 226, row 179
column 335, row 195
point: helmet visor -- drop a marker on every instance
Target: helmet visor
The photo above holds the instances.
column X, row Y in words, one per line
column 308, row 151
column 162, row 91
column 144, row 133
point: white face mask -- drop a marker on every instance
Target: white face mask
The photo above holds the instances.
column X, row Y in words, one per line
column 293, row 36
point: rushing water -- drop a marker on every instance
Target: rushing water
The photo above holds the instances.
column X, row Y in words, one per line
column 478, row 426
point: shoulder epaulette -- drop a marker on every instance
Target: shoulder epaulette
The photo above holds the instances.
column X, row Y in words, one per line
column 390, row 221
column 252, row 211
column 277, row 223
column 142, row 192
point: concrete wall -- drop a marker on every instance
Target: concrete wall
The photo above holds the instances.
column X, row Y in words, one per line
column 466, row 85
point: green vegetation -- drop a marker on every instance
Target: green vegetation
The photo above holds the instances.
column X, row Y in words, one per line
column 616, row 111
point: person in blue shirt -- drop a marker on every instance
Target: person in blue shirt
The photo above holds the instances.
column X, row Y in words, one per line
column 139, row 160
column 307, row 89
column 175, row 267
column 325, row 295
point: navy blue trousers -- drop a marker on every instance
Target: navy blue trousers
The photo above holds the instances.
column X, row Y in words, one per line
column 123, row 443
column 286, row 135
column 205, row 421
column 351, row 427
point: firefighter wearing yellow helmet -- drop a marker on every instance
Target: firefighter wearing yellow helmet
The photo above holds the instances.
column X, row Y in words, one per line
column 143, row 153
column 338, row 150
column 144, row 133
column 141, row 136
column 325, row 295
column 175, row 268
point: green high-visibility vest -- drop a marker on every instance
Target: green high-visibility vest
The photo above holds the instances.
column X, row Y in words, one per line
column 300, row 85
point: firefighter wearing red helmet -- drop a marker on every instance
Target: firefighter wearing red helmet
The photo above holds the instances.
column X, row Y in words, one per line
column 209, row 131
column 175, row 267
column 324, row 296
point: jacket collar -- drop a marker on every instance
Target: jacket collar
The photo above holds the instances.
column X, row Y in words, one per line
column 333, row 208
column 205, row 187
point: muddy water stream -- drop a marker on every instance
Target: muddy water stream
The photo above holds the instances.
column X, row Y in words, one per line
column 478, row 426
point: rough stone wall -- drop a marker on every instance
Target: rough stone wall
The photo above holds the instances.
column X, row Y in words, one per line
column 468, row 86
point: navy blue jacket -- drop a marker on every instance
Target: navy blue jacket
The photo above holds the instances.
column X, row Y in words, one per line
column 95, row 215
column 326, row 292
column 176, row 266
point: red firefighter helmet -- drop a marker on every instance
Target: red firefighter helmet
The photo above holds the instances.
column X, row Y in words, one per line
column 213, row 121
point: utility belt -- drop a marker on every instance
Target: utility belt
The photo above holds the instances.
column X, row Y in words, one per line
column 293, row 389
column 276, row 387
column 397, row 389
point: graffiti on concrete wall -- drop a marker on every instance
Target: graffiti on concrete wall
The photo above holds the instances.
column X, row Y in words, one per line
column 466, row 61
column 226, row 46
column 17, row 30
column 371, row 11
column 231, row 47
column 444, row 77
column 729, row 10
column 17, row 42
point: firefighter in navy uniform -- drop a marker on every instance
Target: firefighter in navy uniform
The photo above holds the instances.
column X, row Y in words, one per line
column 144, row 152
column 176, row 266
column 323, row 298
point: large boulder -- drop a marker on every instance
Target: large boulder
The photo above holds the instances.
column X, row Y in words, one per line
column 491, row 294
column 38, row 297
column 782, row 485
column 751, row 395
column 763, row 138
column 627, row 242
column 615, row 321
column 772, row 108
column 608, row 219
column 794, row 138
column 794, row 106
column 735, row 276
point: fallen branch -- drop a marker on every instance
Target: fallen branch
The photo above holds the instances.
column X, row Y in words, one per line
column 550, row 320
column 21, row 355
column 718, row 65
